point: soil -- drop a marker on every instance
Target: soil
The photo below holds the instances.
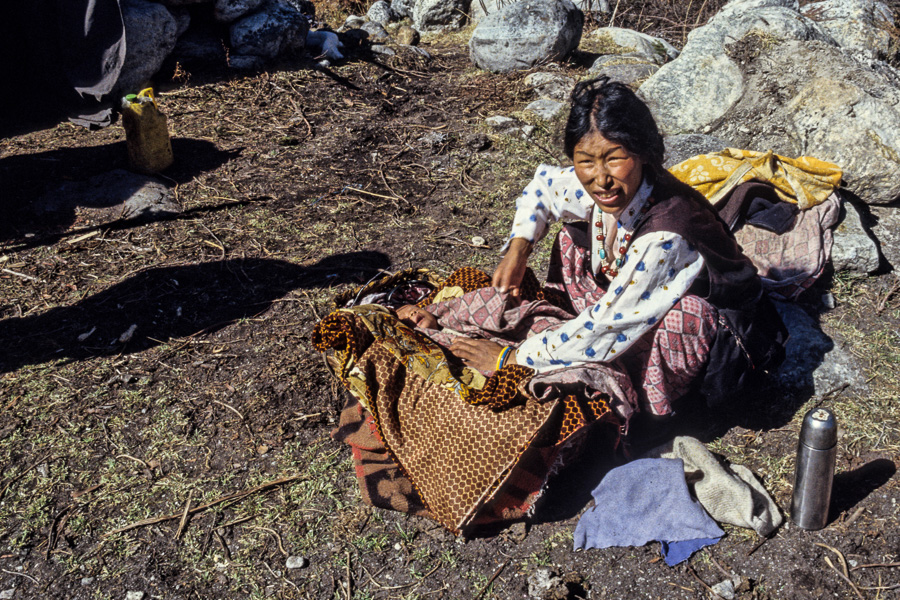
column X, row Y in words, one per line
column 145, row 362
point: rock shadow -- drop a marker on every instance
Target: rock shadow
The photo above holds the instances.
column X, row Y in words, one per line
column 165, row 303
column 30, row 182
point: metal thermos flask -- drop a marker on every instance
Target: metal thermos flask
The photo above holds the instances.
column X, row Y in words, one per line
column 815, row 469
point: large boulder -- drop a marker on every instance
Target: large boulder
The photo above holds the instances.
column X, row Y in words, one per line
column 690, row 93
column 482, row 8
column 150, row 32
column 857, row 25
column 439, row 15
column 275, row 28
column 526, row 33
column 226, row 11
column 811, row 98
column 621, row 41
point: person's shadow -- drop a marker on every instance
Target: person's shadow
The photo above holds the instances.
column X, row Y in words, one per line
column 165, row 303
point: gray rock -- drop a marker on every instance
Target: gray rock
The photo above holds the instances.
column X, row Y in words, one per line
column 545, row 108
column 377, row 33
column 182, row 20
column 853, row 249
column 482, row 8
column 382, row 50
column 509, row 126
column 439, row 15
column 403, row 8
column 134, row 595
column 226, row 11
column 814, row 362
column 246, row 62
column 632, row 75
column 887, row 230
column 151, row 31
column 526, row 33
column 683, row 146
column 544, row 583
column 703, row 83
column 858, row 25
column 621, row 41
column 724, row 589
column 199, row 44
column 274, row 29
column 827, row 105
column 380, row 12
column 407, row 36
column 551, row 85
column 353, row 22
column 86, row 581
column 7, row 594
column 296, row 562
column 324, row 43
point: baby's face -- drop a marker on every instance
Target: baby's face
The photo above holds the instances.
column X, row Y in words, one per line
column 414, row 316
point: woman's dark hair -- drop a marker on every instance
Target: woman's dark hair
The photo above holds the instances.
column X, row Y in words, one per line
column 613, row 110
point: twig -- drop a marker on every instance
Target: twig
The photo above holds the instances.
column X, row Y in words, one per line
column 22, row 275
column 222, row 543
column 202, row 507
column 184, row 515
column 881, row 304
column 491, row 580
column 703, row 583
column 236, row 522
column 757, row 546
column 22, row 575
column 275, row 534
column 349, row 580
column 374, row 195
column 876, row 565
column 846, row 574
column 24, row 471
column 231, row 408
column 854, row 516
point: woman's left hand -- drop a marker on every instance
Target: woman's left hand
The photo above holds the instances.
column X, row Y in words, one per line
column 479, row 354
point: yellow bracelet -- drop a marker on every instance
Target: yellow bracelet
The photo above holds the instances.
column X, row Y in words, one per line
column 504, row 354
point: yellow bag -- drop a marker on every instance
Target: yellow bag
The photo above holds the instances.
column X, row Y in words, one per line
column 146, row 134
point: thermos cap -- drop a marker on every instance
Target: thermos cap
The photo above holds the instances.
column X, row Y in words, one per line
column 819, row 429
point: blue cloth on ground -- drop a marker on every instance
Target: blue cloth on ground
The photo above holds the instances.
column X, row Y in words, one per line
column 643, row 501
column 678, row 552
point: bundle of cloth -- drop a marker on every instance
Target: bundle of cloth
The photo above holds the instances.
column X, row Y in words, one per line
column 431, row 436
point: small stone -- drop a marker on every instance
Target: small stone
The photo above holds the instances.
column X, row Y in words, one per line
column 724, row 589
column 545, row 108
column 407, row 36
column 134, row 595
column 477, row 240
column 296, row 562
column 353, row 22
column 7, row 594
column 828, row 301
column 87, row 580
column 262, row 449
column 398, row 546
column 382, row 50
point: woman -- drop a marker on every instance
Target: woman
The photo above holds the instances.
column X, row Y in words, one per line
column 660, row 287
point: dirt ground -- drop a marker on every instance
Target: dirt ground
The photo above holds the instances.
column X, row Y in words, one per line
column 151, row 366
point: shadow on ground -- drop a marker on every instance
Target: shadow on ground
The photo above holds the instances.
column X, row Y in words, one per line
column 162, row 304
column 26, row 179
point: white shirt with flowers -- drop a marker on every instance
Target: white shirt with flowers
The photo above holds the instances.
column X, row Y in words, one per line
column 658, row 269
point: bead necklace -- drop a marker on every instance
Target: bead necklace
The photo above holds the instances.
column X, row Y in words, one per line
column 607, row 268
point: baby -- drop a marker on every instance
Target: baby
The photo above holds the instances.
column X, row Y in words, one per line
column 414, row 316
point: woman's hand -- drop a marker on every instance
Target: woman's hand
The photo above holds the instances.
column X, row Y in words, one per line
column 511, row 270
column 480, row 354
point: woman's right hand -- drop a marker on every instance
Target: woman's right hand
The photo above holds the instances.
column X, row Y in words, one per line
column 509, row 273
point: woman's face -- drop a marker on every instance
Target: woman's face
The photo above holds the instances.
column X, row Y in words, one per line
column 610, row 173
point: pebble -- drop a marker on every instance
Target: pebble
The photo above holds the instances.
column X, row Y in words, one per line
column 296, row 562
column 828, row 301
column 87, row 580
column 7, row 594
column 134, row 595
column 477, row 240
column 724, row 589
